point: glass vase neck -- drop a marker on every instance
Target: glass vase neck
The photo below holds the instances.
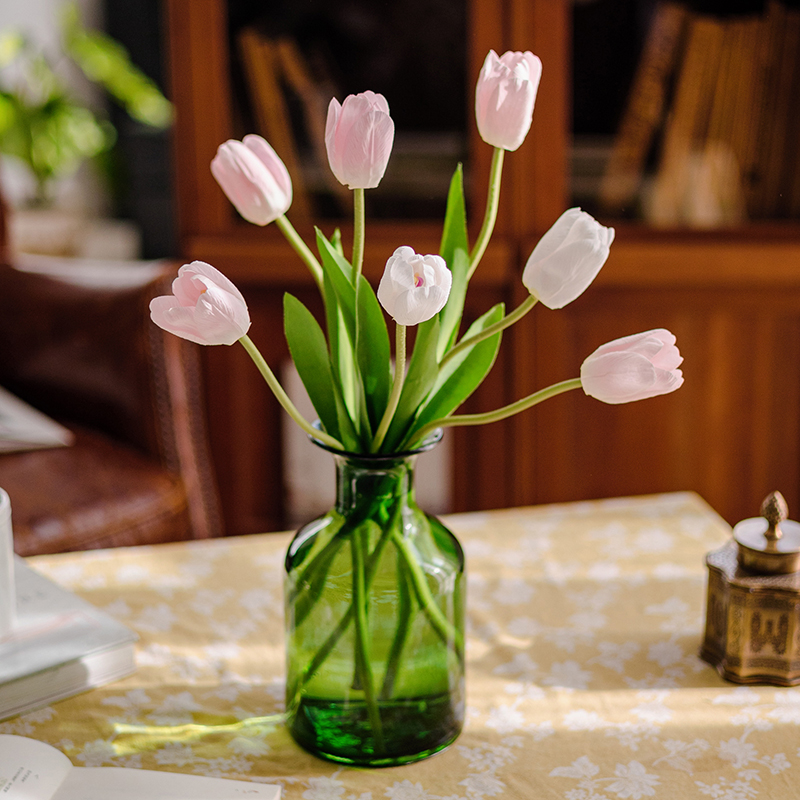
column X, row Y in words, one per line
column 375, row 480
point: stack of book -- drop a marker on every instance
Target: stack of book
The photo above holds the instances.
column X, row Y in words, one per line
column 60, row 645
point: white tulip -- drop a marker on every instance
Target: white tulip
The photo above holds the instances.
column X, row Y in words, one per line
column 567, row 258
column 414, row 287
column 633, row 368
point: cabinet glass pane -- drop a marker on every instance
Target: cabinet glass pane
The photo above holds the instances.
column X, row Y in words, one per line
column 289, row 57
column 687, row 114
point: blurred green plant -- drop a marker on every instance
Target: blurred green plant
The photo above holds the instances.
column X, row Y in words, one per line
column 47, row 128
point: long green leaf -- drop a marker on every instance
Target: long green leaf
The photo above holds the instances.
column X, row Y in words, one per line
column 462, row 375
column 374, row 353
column 454, row 233
column 340, row 312
column 450, row 315
column 454, row 249
column 338, row 270
column 344, row 371
column 309, row 352
column 420, row 378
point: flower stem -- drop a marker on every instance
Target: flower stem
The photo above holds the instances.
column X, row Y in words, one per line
column 450, row 635
column 490, row 216
column 358, row 233
column 509, row 319
column 283, row 398
column 401, row 635
column 311, row 580
column 294, row 239
column 499, row 413
column 363, row 664
column 397, row 387
column 333, row 639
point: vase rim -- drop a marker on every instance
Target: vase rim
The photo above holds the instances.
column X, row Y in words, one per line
column 428, row 443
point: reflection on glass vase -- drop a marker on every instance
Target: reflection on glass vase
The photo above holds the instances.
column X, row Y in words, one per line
column 375, row 621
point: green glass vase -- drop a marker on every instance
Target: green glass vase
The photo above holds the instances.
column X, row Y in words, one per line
column 374, row 596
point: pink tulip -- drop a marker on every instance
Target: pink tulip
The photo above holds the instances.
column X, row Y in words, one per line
column 358, row 136
column 505, row 96
column 567, row 258
column 254, row 179
column 413, row 287
column 204, row 307
column 633, row 368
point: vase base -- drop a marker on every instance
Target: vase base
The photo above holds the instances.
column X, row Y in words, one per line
column 411, row 729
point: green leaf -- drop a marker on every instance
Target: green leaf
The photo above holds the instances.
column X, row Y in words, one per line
column 454, row 249
column 462, row 375
column 342, row 359
column 309, row 352
column 336, row 241
column 339, row 296
column 423, row 368
column 374, row 353
column 450, row 315
column 337, row 269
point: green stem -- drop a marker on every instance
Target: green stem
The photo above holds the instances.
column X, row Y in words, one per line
column 332, row 640
column 283, row 398
column 448, row 633
column 312, row 578
column 509, row 319
column 490, row 216
column 358, row 233
column 500, row 413
column 403, row 619
column 397, row 387
column 293, row 237
column 364, row 674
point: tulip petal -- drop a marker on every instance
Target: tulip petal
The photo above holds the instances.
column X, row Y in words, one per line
column 253, row 178
column 359, row 136
column 405, row 297
column 505, row 96
column 214, row 276
column 567, row 258
column 276, row 168
column 633, row 368
column 205, row 307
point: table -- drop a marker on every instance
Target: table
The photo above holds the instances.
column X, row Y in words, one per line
column 583, row 679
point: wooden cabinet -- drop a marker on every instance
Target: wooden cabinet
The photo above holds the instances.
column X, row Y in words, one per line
column 733, row 300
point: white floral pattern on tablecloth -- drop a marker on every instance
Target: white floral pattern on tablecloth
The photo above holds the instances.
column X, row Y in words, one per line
column 583, row 682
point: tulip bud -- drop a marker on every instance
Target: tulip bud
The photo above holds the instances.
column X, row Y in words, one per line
column 205, row 307
column 414, row 288
column 505, row 96
column 633, row 368
column 567, row 258
column 358, row 136
column 254, row 179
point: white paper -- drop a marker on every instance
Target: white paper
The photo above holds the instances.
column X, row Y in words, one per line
column 33, row 770
column 102, row 783
column 30, row 770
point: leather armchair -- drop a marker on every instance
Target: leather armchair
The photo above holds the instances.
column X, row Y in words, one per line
column 78, row 344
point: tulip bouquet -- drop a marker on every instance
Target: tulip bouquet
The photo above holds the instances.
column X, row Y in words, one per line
column 364, row 403
column 375, row 407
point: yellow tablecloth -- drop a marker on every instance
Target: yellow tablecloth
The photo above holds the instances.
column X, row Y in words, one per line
column 583, row 678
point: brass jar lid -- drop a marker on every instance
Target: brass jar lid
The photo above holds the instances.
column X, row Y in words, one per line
column 769, row 544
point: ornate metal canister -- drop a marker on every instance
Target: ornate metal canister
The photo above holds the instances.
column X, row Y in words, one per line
column 752, row 632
